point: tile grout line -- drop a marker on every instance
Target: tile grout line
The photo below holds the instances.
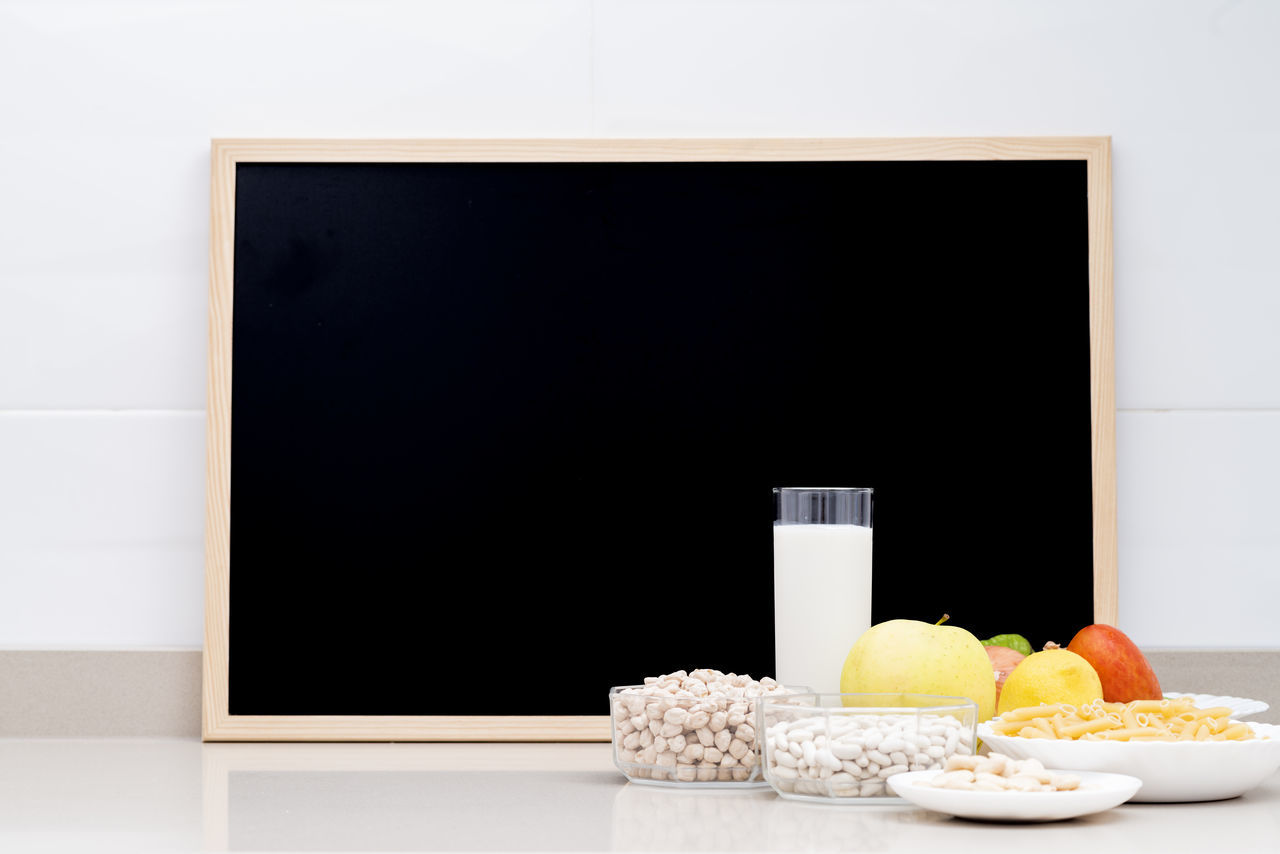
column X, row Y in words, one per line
column 68, row 411
column 1226, row 410
column 75, row 412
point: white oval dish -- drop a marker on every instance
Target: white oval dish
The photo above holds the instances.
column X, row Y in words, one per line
column 1240, row 706
column 1170, row 771
column 1098, row 791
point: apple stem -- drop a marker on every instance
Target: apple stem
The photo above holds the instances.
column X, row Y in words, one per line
column 945, row 617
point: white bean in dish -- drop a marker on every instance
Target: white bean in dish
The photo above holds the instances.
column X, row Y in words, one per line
column 690, row 728
column 996, row 772
column 823, row 746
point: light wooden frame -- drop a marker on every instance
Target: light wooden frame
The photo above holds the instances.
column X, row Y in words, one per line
column 220, row 725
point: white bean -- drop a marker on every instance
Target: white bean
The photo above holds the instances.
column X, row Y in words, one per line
column 827, row 758
column 676, row 716
column 845, row 750
column 879, row 758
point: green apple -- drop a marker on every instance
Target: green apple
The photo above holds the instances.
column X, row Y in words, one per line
column 915, row 657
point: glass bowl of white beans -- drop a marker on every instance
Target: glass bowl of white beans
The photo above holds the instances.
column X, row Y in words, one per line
column 691, row 729
column 841, row 748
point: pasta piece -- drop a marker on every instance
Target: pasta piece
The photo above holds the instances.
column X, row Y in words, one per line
column 1077, row 730
column 1030, row 712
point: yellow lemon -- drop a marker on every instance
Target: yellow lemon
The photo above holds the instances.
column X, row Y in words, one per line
column 1051, row 676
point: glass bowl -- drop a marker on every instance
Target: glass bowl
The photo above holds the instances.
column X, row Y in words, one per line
column 841, row 748
column 698, row 742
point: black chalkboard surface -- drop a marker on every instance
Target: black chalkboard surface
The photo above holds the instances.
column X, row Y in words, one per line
column 503, row 434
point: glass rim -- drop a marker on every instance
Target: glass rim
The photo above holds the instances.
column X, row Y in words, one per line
column 839, row 490
column 788, row 691
column 950, row 702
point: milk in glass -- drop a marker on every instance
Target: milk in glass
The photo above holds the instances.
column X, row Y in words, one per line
column 821, row 600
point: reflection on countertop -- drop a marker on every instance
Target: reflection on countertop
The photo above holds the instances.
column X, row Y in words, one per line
column 177, row 795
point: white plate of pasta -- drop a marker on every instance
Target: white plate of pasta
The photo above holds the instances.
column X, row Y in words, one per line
column 1180, row 751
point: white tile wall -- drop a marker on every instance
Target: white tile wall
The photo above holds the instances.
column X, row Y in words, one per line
column 107, row 107
column 1199, row 517
column 101, row 527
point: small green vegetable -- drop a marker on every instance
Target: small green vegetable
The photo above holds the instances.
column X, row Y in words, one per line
column 1014, row 642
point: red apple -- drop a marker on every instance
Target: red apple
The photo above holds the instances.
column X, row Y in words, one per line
column 1003, row 660
column 1125, row 672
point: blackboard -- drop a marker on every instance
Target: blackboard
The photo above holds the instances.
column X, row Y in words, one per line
column 500, row 432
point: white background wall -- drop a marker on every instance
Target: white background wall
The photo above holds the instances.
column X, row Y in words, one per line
column 107, row 108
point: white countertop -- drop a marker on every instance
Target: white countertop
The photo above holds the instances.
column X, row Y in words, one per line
column 142, row 795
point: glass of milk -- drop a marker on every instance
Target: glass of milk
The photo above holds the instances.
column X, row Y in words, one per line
column 821, row 581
